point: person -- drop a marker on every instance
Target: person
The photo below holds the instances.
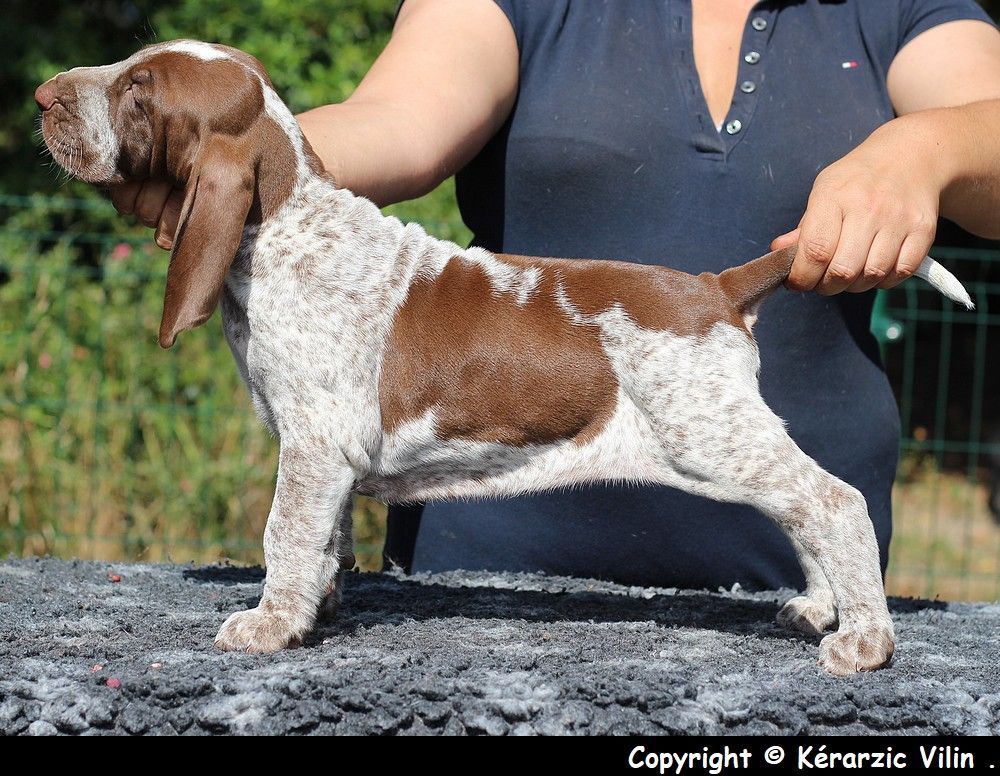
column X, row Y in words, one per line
column 695, row 134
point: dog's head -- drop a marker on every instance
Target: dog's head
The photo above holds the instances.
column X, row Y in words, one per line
column 201, row 115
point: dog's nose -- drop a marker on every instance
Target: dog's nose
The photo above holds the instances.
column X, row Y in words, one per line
column 45, row 95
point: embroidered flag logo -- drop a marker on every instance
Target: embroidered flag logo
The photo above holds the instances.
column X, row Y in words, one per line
column 849, row 65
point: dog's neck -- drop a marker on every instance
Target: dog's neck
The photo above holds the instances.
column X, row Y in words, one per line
column 297, row 200
column 312, row 211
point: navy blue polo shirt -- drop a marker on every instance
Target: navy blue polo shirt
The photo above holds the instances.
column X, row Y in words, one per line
column 610, row 152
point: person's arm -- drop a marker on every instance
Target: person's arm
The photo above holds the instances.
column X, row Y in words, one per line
column 443, row 85
column 441, row 88
column 872, row 215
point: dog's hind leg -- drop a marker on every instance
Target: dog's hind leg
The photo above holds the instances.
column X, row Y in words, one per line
column 736, row 449
column 829, row 519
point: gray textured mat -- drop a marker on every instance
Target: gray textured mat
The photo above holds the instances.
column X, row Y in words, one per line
column 464, row 653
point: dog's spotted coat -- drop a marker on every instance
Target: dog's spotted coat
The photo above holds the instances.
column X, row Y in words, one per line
column 394, row 364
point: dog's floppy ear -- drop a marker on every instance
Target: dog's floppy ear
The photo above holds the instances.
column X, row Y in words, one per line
column 217, row 200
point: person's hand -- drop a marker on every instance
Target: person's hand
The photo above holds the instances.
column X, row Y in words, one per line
column 870, row 219
column 155, row 203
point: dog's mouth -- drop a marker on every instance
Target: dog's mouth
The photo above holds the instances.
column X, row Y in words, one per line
column 70, row 153
column 66, row 151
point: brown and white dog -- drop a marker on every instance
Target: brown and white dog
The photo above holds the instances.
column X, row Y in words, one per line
column 394, row 364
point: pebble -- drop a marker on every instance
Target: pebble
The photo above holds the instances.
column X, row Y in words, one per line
column 42, row 728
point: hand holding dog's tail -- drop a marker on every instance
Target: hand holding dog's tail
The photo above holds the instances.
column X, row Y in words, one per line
column 749, row 284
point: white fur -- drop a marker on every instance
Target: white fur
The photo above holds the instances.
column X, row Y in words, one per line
column 195, row 48
column 949, row 285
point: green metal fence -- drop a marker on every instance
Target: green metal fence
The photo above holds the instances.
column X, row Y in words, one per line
column 942, row 363
column 111, row 448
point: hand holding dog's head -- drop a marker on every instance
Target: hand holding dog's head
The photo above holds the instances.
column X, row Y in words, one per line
column 189, row 112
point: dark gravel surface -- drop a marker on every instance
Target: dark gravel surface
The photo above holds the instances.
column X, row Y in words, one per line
column 464, row 653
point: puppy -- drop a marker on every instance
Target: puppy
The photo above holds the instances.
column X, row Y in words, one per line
column 404, row 367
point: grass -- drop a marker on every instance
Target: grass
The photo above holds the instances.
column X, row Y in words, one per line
column 945, row 542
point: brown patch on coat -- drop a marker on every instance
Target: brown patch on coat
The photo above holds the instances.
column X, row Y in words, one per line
column 193, row 101
column 664, row 299
column 656, row 298
column 494, row 370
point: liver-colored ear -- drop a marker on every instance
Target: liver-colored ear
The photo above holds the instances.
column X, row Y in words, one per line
column 216, row 202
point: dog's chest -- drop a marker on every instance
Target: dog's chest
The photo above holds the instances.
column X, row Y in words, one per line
column 303, row 319
column 285, row 343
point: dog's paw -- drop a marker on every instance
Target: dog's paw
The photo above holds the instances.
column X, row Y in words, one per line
column 331, row 604
column 260, row 629
column 857, row 649
column 808, row 615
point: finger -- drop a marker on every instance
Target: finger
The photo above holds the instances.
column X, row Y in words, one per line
column 163, row 237
column 819, row 234
column 167, row 227
column 785, row 240
column 849, row 260
column 915, row 248
column 150, row 201
column 881, row 261
column 123, row 197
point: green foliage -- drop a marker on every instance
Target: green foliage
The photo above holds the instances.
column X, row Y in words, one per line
column 108, row 444
column 315, row 50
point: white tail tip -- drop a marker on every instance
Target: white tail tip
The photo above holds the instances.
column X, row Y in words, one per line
column 944, row 282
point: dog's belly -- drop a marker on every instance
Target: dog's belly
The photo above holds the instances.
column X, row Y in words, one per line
column 415, row 465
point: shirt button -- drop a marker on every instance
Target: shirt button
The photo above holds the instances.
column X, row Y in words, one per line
column 752, row 57
column 734, row 126
column 759, row 23
column 747, row 87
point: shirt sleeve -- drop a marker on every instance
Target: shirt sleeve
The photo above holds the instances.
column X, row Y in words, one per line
column 516, row 15
column 507, row 6
column 917, row 16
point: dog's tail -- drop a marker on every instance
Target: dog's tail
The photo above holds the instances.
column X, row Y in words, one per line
column 944, row 282
column 750, row 284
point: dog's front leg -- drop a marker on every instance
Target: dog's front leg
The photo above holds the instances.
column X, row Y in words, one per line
column 313, row 487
